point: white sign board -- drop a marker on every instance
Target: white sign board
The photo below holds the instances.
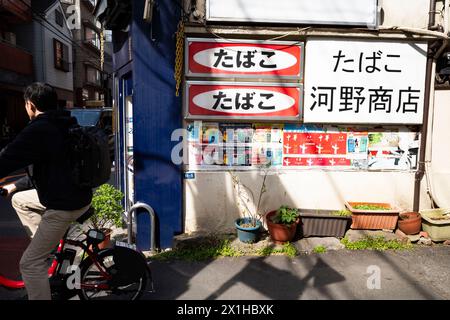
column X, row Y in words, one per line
column 361, row 81
column 330, row 12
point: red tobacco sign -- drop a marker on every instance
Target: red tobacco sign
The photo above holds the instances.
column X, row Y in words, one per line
column 224, row 100
column 246, row 58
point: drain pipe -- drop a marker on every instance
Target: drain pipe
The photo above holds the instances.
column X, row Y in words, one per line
column 151, row 212
column 423, row 141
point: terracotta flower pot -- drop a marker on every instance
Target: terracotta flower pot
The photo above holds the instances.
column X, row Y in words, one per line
column 281, row 233
column 410, row 222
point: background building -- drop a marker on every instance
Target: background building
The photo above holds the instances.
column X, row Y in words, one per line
column 16, row 67
column 91, row 78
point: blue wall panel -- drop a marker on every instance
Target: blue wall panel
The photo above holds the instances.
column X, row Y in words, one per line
column 157, row 112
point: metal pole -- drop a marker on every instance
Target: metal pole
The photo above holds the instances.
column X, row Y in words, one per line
column 151, row 212
column 423, row 139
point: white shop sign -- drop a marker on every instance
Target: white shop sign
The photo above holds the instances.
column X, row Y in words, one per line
column 367, row 82
column 330, row 12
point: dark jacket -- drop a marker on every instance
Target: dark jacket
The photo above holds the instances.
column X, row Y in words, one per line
column 41, row 147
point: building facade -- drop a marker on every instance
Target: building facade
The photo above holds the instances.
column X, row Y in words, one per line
column 16, row 68
column 345, row 105
column 90, row 74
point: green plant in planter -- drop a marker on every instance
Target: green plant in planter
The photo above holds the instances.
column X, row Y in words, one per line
column 285, row 215
column 107, row 206
column 342, row 213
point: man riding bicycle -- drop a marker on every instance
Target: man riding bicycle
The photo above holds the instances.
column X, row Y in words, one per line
column 46, row 201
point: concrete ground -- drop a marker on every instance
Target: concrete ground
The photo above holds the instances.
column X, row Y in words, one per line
column 421, row 273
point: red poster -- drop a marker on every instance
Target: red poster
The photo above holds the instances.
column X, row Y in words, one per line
column 246, row 58
column 314, row 143
column 243, row 100
column 315, row 162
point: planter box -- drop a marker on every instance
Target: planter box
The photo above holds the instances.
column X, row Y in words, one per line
column 373, row 219
column 438, row 230
column 323, row 223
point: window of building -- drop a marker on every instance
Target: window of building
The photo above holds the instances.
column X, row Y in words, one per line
column 92, row 37
column 85, row 94
column 61, row 56
column 93, row 75
column 59, row 18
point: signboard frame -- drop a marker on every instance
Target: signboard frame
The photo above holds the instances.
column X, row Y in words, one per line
column 215, row 12
column 301, row 60
column 240, row 118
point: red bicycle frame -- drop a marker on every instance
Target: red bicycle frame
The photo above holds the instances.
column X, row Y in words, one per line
column 13, row 284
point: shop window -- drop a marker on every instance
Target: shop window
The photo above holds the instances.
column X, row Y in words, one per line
column 61, row 56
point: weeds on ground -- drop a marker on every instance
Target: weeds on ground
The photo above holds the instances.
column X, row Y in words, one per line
column 375, row 243
column 220, row 249
column 287, row 249
column 320, row 249
column 200, row 253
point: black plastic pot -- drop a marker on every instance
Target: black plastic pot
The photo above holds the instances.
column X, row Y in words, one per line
column 323, row 223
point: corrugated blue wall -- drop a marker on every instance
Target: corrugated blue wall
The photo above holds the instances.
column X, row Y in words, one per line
column 157, row 112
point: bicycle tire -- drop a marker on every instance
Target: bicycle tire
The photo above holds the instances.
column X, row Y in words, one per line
column 106, row 257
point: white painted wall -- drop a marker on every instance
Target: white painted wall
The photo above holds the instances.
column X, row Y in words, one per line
column 439, row 169
column 212, row 205
column 405, row 13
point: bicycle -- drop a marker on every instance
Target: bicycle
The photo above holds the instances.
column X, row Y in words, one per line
column 119, row 271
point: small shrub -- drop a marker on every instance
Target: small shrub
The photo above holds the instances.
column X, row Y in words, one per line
column 285, row 215
column 107, row 204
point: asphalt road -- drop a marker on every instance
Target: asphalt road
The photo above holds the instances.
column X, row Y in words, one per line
column 419, row 274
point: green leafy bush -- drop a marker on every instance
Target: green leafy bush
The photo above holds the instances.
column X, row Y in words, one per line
column 108, row 208
column 285, row 215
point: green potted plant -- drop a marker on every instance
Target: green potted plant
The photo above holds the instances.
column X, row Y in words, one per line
column 108, row 209
column 282, row 224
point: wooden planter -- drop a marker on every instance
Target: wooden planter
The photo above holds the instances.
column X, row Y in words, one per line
column 323, row 223
column 373, row 219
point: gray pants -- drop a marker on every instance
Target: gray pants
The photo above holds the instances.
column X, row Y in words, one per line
column 46, row 227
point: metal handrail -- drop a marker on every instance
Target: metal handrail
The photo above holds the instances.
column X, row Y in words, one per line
column 151, row 212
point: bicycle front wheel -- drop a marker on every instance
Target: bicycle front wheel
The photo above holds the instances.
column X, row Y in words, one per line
column 96, row 286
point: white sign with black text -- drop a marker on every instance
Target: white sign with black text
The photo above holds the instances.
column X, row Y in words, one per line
column 367, row 82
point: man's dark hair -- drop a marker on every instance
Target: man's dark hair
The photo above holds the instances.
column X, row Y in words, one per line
column 42, row 95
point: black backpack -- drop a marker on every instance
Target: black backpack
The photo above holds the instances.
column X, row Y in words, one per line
column 90, row 161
